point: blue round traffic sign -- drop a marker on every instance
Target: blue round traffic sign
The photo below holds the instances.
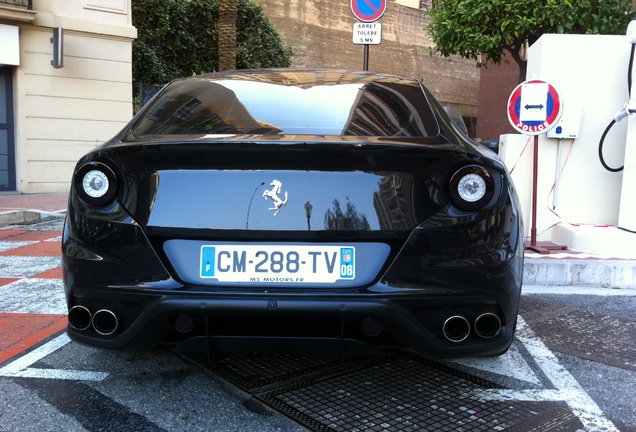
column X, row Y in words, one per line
column 368, row 10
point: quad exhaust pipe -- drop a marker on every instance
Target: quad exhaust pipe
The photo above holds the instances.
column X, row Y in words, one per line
column 104, row 321
column 80, row 318
column 487, row 325
column 457, row 328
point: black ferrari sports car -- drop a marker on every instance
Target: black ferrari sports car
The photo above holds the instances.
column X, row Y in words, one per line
column 295, row 209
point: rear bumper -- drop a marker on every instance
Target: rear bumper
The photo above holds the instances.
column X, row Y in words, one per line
column 188, row 320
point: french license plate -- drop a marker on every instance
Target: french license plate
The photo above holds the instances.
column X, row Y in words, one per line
column 278, row 263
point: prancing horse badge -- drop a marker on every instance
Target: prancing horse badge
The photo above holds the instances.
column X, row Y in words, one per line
column 273, row 194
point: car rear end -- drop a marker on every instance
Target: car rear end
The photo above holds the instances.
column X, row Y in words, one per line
column 280, row 240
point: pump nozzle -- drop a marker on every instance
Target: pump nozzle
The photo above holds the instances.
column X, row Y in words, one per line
column 628, row 109
column 631, row 32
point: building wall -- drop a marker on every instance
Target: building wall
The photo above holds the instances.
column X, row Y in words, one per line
column 321, row 34
column 60, row 114
column 495, row 85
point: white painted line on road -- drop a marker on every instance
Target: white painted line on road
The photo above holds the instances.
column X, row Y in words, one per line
column 21, row 367
column 511, row 364
column 566, row 387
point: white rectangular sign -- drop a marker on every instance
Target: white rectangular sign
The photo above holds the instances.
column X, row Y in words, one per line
column 367, row 33
column 534, row 102
column 10, row 46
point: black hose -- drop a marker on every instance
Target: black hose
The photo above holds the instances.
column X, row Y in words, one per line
column 613, row 122
column 600, row 149
column 629, row 70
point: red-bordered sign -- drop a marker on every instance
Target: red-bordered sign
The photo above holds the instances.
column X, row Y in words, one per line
column 534, row 107
column 368, row 10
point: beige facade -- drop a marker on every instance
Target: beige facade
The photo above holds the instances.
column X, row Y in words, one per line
column 411, row 3
column 61, row 113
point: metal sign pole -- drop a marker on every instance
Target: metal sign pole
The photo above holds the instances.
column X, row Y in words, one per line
column 365, row 64
column 535, row 176
column 368, row 32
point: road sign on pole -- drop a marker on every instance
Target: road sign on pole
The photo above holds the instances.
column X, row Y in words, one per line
column 534, row 107
column 368, row 10
column 367, row 33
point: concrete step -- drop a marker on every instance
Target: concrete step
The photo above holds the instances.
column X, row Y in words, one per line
column 604, row 273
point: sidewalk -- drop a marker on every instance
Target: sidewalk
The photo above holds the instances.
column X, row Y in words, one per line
column 566, row 268
column 17, row 209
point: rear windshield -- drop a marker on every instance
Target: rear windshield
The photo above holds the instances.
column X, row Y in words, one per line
column 202, row 106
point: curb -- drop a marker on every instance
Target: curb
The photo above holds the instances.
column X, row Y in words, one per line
column 22, row 217
column 605, row 273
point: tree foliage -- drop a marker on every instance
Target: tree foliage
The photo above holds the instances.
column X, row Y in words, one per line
column 351, row 219
column 470, row 28
column 178, row 38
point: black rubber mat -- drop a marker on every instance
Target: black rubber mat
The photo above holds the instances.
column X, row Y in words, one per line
column 581, row 332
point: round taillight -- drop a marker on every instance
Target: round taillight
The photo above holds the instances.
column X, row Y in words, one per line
column 96, row 184
column 471, row 187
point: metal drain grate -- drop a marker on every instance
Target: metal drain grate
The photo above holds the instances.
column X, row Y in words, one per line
column 582, row 332
column 396, row 392
column 411, row 394
column 258, row 371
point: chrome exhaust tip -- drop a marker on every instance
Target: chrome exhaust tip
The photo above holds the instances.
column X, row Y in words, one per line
column 105, row 322
column 79, row 318
column 487, row 325
column 456, row 328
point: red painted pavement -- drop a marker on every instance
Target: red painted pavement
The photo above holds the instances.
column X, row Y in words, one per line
column 46, row 248
column 20, row 332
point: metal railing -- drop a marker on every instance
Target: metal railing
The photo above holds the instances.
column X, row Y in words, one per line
column 21, row 3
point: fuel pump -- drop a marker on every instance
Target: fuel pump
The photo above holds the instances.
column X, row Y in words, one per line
column 627, row 210
column 629, row 108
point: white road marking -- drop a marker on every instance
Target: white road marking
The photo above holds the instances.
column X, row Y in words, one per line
column 566, row 387
column 8, row 245
column 21, row 366
column 33, row 296
column 27, row 266
column 511, row 364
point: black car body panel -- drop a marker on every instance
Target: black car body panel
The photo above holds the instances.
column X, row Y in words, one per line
column 234, row 220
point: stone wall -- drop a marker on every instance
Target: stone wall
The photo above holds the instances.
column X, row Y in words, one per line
column 320, row 33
